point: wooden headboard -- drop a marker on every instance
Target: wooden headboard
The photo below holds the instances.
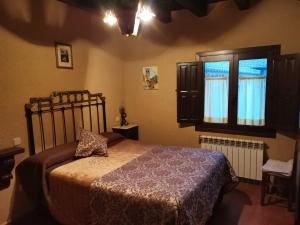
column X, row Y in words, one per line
column 60, row 102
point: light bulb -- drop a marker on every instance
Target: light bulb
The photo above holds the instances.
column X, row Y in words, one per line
column 146, row 14
column 110, row 18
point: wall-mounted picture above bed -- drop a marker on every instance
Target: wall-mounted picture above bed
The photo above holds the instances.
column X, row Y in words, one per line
column 150, row 78
column 64, row 58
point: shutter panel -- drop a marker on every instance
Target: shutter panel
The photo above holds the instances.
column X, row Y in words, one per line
column 189, row 82
column 285, row 101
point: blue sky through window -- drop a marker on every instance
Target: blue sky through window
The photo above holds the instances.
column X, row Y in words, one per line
column 217, row 69
column 216, row 92
column 252, row 92
column 253, row 67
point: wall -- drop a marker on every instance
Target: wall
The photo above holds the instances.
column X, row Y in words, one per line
column 225, row 27
column 28, row 30
column 107, row 62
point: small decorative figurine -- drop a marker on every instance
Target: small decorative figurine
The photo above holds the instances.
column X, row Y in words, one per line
column 123, row 116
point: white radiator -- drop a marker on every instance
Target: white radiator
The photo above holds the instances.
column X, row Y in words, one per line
column 245, row 156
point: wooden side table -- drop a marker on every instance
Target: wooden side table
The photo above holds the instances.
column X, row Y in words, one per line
column 7, row 163
column 130, row 131
column 277, row 181
column 270, row 190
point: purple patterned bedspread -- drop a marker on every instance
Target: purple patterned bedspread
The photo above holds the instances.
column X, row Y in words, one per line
column 167, row 185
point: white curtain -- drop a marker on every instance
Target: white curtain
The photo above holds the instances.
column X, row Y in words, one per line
column 216, row 100
column 251, row 101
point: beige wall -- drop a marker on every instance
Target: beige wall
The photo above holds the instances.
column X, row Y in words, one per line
column 268, row 22
column 107, row 62
column 28, row 30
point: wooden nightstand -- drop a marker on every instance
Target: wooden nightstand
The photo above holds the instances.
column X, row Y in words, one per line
column 130, row 131
column 7, row 163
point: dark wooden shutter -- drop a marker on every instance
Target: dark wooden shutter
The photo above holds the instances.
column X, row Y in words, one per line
column 189, row 83
column 285, row 101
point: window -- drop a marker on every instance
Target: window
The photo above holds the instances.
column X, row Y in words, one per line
column 216, row 92
column 236, row 90
column 252, row 91
column 252, row 75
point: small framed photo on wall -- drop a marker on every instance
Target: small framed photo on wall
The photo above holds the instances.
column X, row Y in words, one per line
column 150, row 78
column 64, row 58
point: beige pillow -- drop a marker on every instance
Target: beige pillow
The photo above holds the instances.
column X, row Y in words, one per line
column 90, row 144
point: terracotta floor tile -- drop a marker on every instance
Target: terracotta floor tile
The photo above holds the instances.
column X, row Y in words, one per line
column 242, row 207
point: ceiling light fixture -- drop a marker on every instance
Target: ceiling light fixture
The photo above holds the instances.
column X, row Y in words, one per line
column 143, row 13
column 137, row 21
column 146, row 14
column 110, row 18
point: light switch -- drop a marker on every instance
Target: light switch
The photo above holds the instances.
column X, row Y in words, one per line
column 17, row 141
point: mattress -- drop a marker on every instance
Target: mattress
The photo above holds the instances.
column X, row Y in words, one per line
column 136, row 184
column 139, row 184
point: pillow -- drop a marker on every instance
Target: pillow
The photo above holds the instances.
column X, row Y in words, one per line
column 91, row 143
column 112, row 138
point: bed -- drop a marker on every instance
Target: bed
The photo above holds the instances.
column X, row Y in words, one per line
column 136, row 184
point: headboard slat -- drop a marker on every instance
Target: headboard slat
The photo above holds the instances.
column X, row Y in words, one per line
column 103, row 112
column 90, row 113
column 53, row 128
column 82, row 117
column 73, row 120
column 64, row 125
column 42, row 131
column 98, row 120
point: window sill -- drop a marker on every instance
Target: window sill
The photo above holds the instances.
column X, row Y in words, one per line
column 241, row 130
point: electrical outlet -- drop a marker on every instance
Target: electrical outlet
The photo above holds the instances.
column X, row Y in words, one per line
column 17, row 141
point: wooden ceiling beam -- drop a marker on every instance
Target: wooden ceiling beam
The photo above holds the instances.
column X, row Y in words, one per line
column 126, row 4
column 126, row 20
column 164, row 4
column 126, row 9
column 243, row 4
column 197, row 7
column 83, row 5
column 162, row 11
column 163, row 16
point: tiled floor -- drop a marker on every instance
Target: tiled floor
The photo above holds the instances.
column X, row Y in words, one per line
column 240, row 207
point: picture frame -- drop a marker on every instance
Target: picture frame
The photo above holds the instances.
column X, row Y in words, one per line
column 64, row 57
column 150, row 77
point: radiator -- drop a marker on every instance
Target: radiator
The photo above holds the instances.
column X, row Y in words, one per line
column 245, row 156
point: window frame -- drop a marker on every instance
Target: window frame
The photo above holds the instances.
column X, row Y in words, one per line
column 233, row 56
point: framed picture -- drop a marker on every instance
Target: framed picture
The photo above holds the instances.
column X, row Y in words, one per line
column 64, row 58
column 150, row 78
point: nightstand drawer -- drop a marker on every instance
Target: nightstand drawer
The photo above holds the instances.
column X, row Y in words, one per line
column 129, row 131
